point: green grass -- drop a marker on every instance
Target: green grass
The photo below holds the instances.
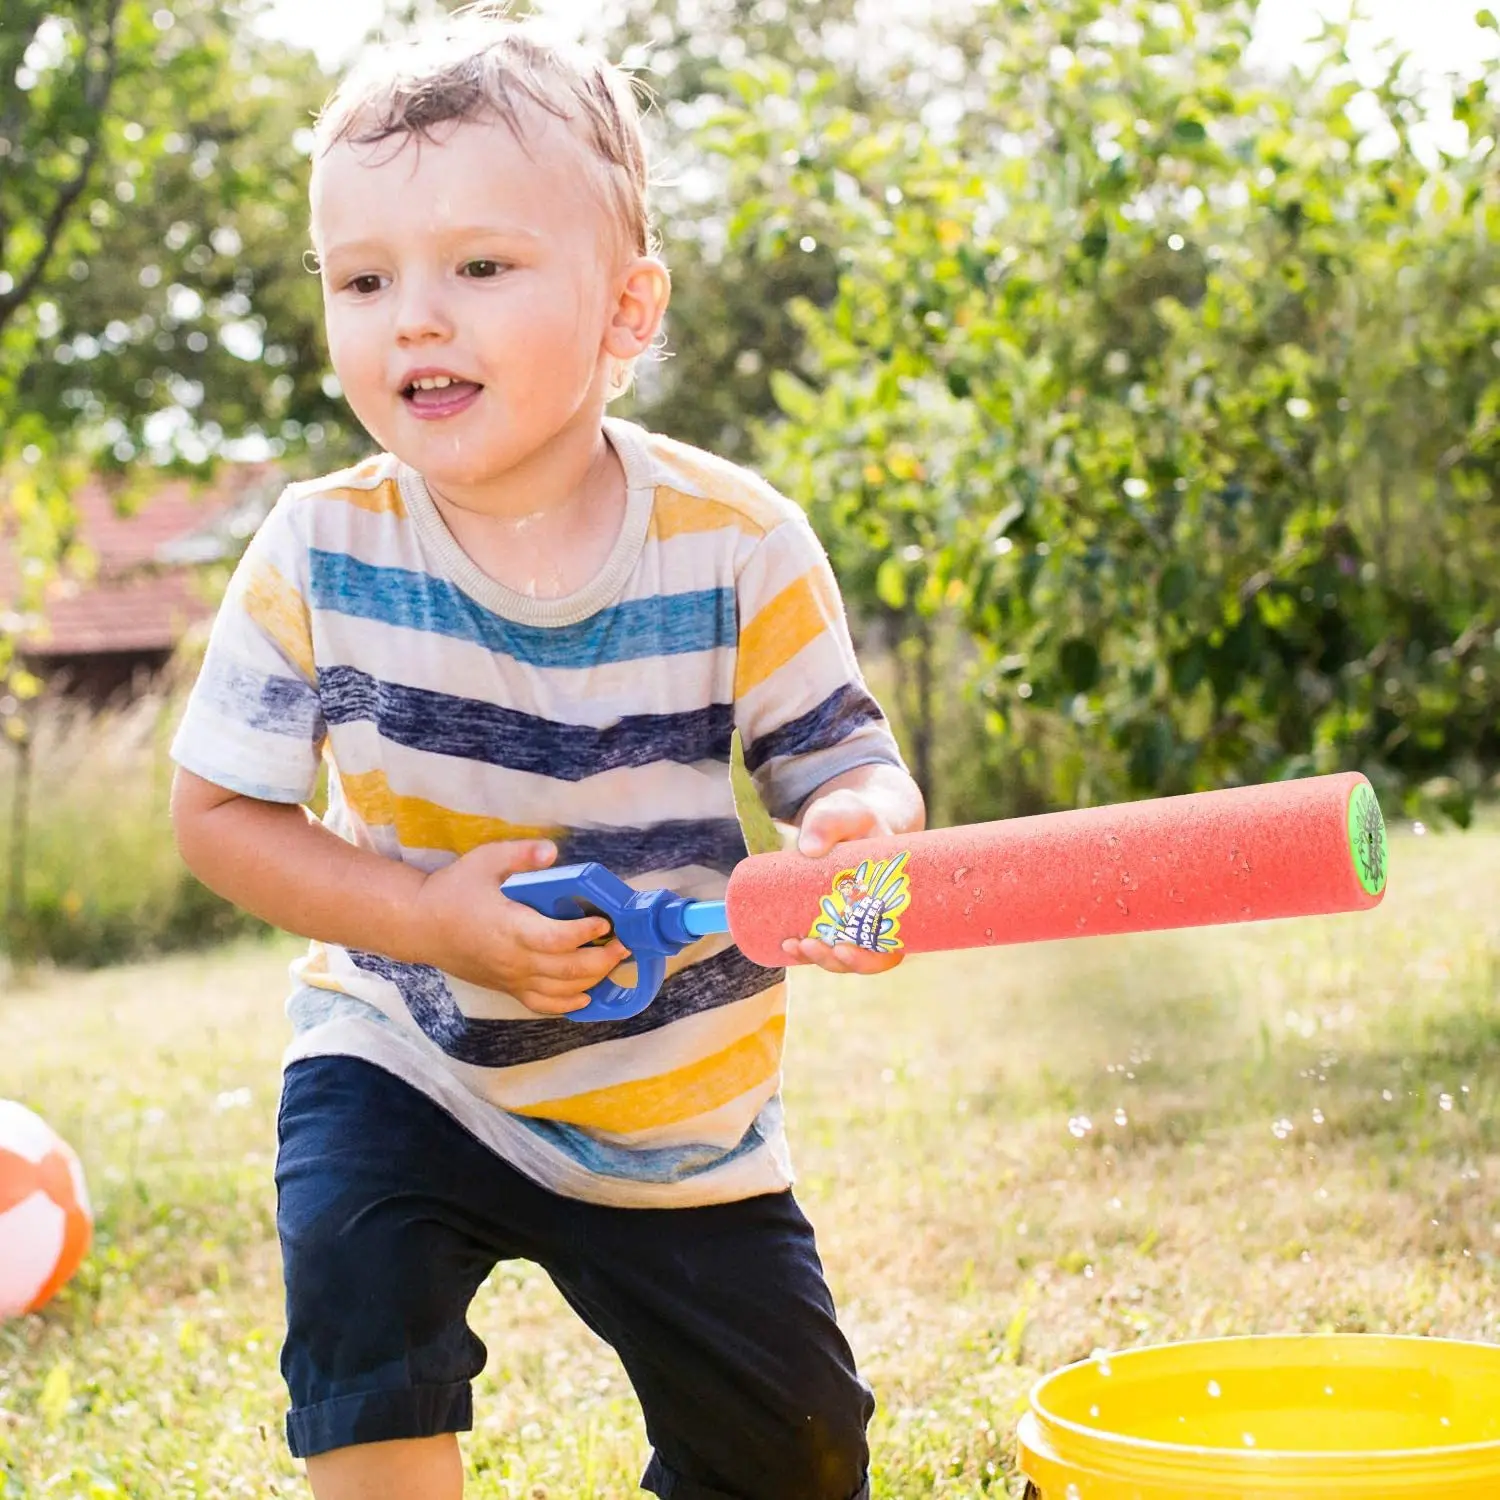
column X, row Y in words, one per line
column 1307, row 1138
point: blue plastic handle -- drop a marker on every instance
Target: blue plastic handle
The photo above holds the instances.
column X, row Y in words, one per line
column 653, row 925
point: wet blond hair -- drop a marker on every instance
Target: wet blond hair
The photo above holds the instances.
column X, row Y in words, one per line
column 480, row 63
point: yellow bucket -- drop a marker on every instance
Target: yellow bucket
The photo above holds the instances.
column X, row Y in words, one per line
column 1321, row 1417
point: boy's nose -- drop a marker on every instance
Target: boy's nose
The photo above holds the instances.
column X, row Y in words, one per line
column 421, row 317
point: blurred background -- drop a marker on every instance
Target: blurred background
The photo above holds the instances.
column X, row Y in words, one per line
column 1136, row 362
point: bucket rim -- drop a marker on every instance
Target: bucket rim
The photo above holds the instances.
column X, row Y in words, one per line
column 1100, row 1444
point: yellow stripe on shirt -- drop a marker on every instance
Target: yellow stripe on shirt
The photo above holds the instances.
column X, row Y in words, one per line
column 313, row 970
column 676, row 513
column 795, row 618
column 276, row 606
column 381, row 499
column 420, row 824
column 731, row 486
column 669, row 1098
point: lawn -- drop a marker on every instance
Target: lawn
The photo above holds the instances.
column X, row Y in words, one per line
column 1014, row 1157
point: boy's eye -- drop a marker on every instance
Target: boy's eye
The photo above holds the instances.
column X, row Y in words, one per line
column 365, row 285
column 483, row 270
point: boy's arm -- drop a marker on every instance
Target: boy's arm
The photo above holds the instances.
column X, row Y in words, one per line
column 817, row 744
column 277, row 861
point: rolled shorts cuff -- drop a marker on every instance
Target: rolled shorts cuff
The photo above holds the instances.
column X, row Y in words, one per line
column 379, row 1417
column 666, row 1484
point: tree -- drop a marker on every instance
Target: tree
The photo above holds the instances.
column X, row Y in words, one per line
column 152, row 305
column 1121, row 363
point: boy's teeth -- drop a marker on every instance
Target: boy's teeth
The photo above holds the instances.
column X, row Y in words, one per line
column 433, row 383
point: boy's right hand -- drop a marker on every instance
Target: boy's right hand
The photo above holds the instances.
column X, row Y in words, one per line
column 467, row 927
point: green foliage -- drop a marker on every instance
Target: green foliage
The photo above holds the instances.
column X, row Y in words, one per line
column 727, row 334
column 1174, row 382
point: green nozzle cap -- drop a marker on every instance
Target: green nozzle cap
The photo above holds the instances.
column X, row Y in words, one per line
column 1367, row 838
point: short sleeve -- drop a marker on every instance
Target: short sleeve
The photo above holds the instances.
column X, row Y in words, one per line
column 253, row 722
column 802, row 707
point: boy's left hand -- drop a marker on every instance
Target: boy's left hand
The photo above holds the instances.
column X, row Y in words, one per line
column 833, row 819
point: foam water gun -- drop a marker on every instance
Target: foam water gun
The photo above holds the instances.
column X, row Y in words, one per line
column 1247, row 854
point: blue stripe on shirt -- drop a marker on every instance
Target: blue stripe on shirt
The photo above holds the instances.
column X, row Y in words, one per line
column 663, row 625
column 658, row 1163
column 483, row 1043
column 470, row 729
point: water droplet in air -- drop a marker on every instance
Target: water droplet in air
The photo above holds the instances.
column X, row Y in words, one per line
column 1079, row 1126
column 1093, row 1411
column 1327, row 1390
column 1213, row 1389
column 1072, row 1493
column 1387, row 1095
column 1248, row 1438
column 1445, row 1101
column 1281, row 1129
column 1317, row 1117
column 1121, row 1118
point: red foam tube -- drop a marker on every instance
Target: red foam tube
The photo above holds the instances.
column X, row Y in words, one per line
column 1248, row 854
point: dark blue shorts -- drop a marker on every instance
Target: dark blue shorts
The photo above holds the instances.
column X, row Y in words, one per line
column 391, row 1215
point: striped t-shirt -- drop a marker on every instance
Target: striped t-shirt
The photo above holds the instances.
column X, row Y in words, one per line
column 452, row 711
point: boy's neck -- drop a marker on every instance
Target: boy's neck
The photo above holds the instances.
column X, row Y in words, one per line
column 552, row 480
column 546, row 527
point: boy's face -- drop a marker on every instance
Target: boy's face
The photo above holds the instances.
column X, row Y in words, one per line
column 474, row 261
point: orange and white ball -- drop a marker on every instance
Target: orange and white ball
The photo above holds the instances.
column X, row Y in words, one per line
column 45, row 1219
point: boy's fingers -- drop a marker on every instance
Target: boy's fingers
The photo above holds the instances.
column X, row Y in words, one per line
column 552, row 1005
column 582, row 967
column 841, row 958
column 553, row 935
column 513, row 856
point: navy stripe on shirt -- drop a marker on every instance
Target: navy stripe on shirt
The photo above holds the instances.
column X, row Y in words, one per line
column 484, row 1043
column 715, row 843
column 471, row 729
column 833, row 720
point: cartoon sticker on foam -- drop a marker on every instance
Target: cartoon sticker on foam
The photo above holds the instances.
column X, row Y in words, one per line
column 866, row 905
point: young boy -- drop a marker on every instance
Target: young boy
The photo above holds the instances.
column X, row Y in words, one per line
column 526, row 631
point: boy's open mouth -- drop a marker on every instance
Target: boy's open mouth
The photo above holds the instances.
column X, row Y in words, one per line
column 440, row 395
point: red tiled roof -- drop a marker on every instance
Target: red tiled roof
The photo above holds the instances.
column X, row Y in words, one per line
column 135, row 600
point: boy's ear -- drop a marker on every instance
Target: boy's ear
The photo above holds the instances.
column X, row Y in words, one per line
column 645, row 288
